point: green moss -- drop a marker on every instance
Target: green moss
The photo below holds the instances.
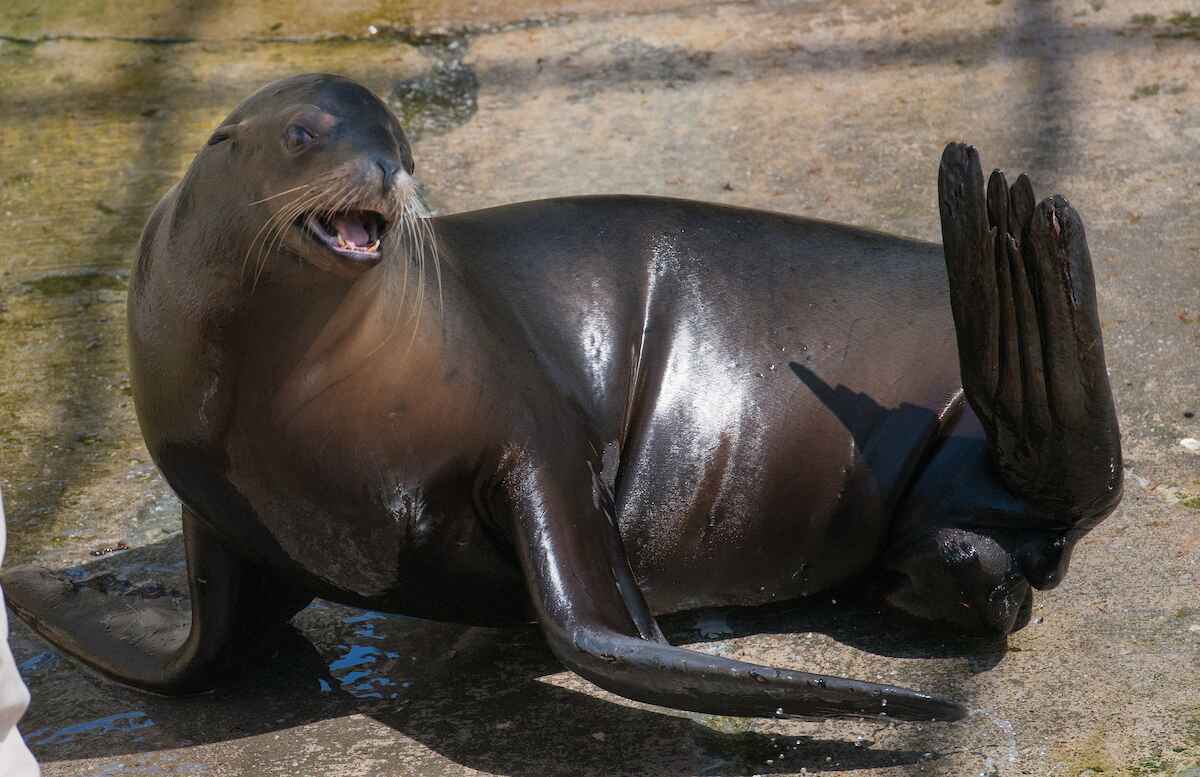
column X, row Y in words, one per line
column 1185, row 19
column 1191, row 728
column 1146, row 90
column 1155, row 764
column 1183, row 25
column 1144, row 19
column 62, row 285
column 1088, row 755
column 442, row 98
column 727, row 725
column 1152, row 90
column 1191, row 502
column 388, row 13
column 69, row 429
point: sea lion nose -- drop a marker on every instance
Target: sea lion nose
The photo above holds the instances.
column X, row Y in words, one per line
column 389, row 170
column 1044, row 565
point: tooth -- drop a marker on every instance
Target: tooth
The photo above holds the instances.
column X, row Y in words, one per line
column 374, row 246
column 342, row 242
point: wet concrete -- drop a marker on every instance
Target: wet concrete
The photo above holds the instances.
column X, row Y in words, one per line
column 834, row 110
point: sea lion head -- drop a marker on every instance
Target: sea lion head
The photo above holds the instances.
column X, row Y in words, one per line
column 980, row 580
column 323, row 171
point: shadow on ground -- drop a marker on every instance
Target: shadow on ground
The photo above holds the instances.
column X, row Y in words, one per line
column 490, row 699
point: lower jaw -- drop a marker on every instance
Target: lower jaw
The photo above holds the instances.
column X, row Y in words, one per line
column 1007, row 609
column 318, row 254
column 1025, row 612
column 349, row 267
column 1006, row 613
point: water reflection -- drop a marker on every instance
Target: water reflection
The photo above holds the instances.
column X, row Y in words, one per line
column 365, row 671
column 43, row 660
column 122, row 722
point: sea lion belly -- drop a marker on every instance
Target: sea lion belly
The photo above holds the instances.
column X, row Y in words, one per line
column 761, row 397
column 776, row 480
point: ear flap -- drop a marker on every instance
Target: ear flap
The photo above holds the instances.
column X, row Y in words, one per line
column 224, row 133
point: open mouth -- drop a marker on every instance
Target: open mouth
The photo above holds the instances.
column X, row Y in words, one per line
column 353, row 234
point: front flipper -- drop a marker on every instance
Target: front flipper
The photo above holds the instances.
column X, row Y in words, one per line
column 565, row 536
column 155, row 644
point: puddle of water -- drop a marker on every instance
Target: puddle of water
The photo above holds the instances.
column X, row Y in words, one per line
column 714, row 625
column 364, row 670
column 121, row 723
column 367, row 630
column 43, row 660
column 1010, row 739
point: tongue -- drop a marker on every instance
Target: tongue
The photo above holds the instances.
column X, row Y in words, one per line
column 351, row 229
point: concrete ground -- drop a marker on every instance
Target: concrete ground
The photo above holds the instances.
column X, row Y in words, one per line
column 836, row 110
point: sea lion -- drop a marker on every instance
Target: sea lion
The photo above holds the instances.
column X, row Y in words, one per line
column 598, row 409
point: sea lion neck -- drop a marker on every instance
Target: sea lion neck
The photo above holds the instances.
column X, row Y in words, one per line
column 389, row 326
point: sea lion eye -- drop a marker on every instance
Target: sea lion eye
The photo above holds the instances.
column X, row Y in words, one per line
column 296, row 137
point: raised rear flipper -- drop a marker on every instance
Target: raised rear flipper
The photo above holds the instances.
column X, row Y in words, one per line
column 571, row 552
column 1032, row 358
column 153, row 643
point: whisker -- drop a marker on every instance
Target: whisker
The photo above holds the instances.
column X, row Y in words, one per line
column 431, row 237
column 288, row 214
column 280, row 194
column 264, row 228
column 424, row 238
column 284, row 220
column 348, row 196
column 413, row 239
column 277, row 224
column 420, row 296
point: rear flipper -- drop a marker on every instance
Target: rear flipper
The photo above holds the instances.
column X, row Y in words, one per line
column 154, row 644
column 1032, row 359
column 598, row 624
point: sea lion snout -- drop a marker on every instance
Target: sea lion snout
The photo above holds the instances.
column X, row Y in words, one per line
column 388, row 169
column 966, row 578
column 1044, row 561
